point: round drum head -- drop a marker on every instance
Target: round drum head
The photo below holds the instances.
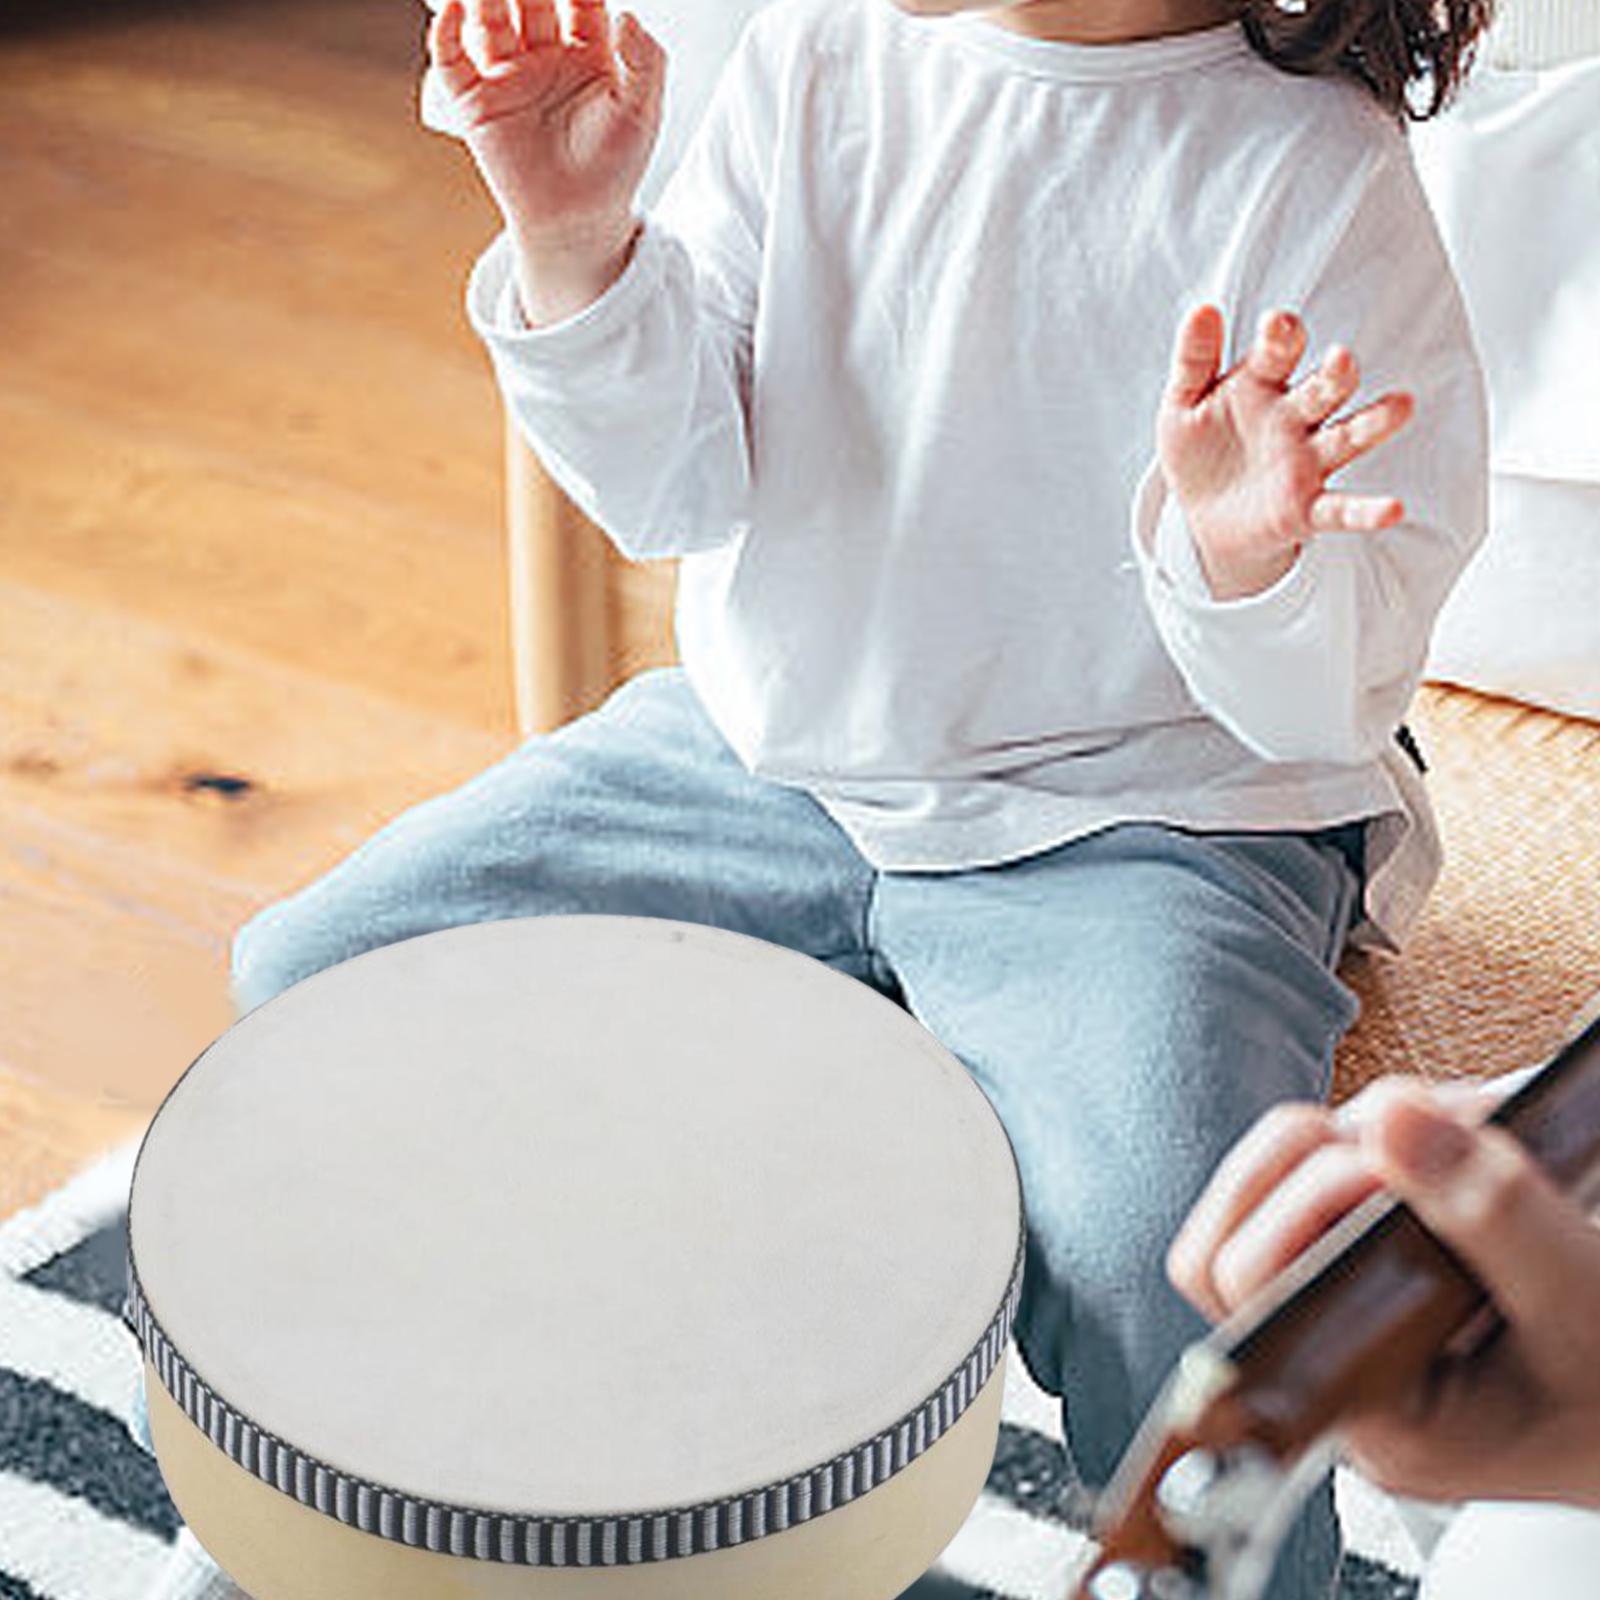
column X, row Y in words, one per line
column 575, row 1241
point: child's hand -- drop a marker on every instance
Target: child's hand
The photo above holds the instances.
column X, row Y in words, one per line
column 561, row 129
column 1248, row 457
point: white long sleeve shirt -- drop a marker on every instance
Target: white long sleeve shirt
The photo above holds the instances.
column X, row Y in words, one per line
column 883, row 369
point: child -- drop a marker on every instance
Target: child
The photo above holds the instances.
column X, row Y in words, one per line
column 1086, row 754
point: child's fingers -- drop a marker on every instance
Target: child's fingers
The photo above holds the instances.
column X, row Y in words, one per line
column 450, row 59
column 497, row 29
column 1354, row 513
column 1342, row 442
column 590, row 24
column 1272, row 1149
column 1280, row 342
column 643, row 62
column 540, row 24
column 1334, row 381
column 1196, row 357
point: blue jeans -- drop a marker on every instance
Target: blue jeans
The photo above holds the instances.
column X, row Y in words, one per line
column 1130, row 1002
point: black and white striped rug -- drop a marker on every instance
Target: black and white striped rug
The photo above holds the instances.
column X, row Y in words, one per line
column 84, row 1514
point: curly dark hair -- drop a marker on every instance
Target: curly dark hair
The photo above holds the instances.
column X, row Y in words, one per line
column 1389, row 45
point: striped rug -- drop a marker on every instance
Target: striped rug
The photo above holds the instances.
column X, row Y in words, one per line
column 84, row 1514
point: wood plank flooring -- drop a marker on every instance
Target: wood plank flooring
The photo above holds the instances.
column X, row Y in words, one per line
column 252, row 562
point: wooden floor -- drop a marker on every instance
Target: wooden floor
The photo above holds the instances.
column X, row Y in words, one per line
column 252, row 568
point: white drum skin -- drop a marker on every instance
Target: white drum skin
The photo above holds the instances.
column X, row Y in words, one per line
column 562, row 1232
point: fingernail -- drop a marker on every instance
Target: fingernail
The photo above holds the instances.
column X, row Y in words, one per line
column 1427, row 1145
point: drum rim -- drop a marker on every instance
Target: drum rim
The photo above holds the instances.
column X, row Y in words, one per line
column 627, row 1537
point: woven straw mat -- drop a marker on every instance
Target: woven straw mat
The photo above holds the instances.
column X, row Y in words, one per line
column 1507, row 951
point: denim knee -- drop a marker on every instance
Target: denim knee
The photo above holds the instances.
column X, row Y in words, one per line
column 281, row 944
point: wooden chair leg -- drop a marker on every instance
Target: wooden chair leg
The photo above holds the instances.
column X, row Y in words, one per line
column 564, row 638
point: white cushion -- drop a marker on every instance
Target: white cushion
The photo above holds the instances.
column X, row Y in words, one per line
column 1525, row 619
column 1513, row 173
column 1541, row 33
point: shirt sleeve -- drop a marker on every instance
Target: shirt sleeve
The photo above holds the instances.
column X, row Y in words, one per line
column 637, row 405
column 1322, row 665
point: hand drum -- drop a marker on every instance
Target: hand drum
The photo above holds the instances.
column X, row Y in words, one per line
column 580, row 1257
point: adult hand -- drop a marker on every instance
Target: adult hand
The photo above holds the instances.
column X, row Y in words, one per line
column 1520, row 1420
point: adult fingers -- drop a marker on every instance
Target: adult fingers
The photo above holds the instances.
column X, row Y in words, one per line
column 1533, row 1247
column 449, row 55
column 1466, row 1099
column 1196, row 357
column 1280, row 342
column 1354, row 513
column 1278, row 1142
column 1330, row 1182
column 1341, row 442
